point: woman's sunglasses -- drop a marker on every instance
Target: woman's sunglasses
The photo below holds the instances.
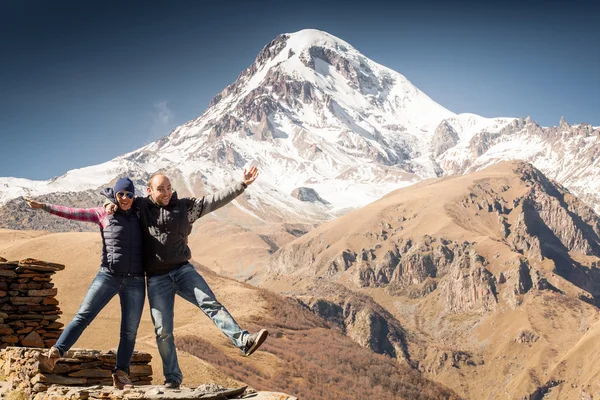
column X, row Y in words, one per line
column 120, row 195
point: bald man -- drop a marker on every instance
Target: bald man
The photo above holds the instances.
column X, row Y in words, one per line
column 166, row 222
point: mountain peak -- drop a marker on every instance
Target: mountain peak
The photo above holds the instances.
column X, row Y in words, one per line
column 307, row 38
column 312, row 80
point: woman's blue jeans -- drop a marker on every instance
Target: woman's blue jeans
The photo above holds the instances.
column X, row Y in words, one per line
column 132, row 293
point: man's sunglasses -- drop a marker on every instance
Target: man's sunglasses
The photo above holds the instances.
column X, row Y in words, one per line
column 120, row 195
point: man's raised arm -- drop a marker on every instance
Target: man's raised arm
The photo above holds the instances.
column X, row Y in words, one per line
column 210, row 203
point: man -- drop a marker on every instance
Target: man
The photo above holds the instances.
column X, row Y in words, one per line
column 166, row 222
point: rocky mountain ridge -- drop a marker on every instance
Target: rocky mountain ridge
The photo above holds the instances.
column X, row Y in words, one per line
column 479, row 272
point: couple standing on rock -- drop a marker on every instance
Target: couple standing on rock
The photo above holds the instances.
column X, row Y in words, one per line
column 144, row 245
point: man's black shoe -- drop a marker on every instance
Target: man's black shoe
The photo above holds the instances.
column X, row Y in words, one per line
column 171, row 385
column 254, row 341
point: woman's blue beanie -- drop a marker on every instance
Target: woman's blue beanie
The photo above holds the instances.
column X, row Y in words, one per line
column 124, row 184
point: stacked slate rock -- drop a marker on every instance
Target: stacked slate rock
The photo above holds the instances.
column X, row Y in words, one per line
column 28, row 307
column 78, row 367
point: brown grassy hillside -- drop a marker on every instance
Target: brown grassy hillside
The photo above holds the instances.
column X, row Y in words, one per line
column 304, row 355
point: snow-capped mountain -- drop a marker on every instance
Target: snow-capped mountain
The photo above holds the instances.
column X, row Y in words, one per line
column 312, row 112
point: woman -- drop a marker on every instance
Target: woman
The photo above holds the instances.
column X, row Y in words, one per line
column 120, row 273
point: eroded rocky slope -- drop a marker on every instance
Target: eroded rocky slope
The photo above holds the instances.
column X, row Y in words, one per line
column 490, row 277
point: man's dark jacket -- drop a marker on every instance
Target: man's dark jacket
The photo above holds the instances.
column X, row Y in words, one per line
column 165, row 229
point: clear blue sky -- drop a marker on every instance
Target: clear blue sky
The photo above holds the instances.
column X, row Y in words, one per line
column 82, row 82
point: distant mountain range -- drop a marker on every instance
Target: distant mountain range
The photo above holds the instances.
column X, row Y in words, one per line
column 331, row 131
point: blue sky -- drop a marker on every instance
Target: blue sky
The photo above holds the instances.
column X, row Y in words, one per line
column 83, row 82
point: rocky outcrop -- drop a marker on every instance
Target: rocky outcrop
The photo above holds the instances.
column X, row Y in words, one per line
column 412, row 268
column 439, row 360
column 308, row 194
column 342, row 262
column 550, row 218
column 542, row 390
column 290, row 91
column 481, row 142
column 269, row 52
column 552, row 224
column 341, row 64
column 444, row 138
column 361, row 319
column 228, row 155
column 470, row 287
column 225, row 125
column 519, row 278
column 526, row 336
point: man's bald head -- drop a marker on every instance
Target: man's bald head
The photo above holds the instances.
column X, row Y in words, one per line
column 159, row 188
column 154, row 176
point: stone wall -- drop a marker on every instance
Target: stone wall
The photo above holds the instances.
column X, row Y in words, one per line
column 28, row 307
column 78, row 367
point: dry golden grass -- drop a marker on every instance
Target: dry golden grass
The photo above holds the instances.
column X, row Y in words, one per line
column 315, row 361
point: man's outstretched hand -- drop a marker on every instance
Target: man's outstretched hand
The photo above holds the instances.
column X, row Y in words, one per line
column 33, row 203
column 250, row 176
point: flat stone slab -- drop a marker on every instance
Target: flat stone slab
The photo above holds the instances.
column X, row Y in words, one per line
column 154, row 392
column 8, row 264
column 8, row 274
column 204, row 392
column 39, row 265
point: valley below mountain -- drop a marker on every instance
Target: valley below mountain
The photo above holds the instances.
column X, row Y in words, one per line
column 486, row 283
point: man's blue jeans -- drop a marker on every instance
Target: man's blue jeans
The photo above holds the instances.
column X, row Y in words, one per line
column 187, row 283
column 104, row 287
